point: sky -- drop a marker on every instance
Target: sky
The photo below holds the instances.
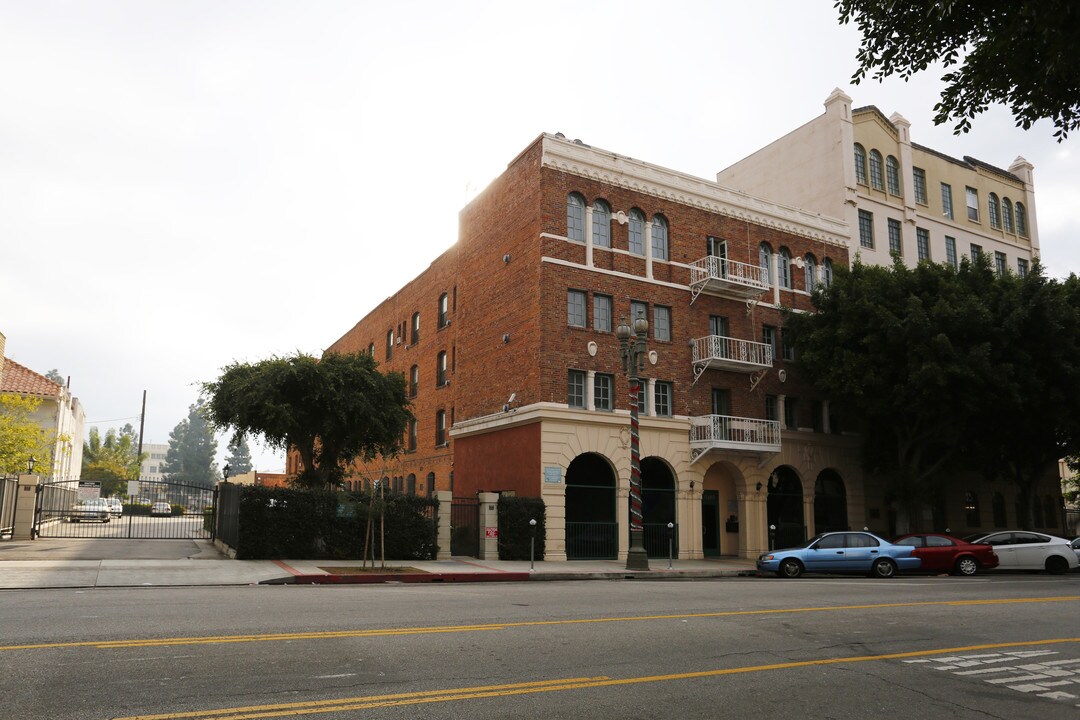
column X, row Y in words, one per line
column 187, row 184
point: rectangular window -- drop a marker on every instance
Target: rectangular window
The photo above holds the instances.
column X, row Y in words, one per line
column 972, row 203
column 412, row 435
column 389, row 344
column 638, row 309
column 768, row 336
column 920, row 185
column 603, row 390
column 791, row 414
column 575, row 308
column 976, row 252
column 601, row 315
column 721, row 401
column 866, row 229
column 575, row 388
column 1000, row 263
column 950, row 252
column 1021, row 267
column 788, row 346
column 895, row 245
column 922, row 238
column 661, row 323
column 440, row 428
column 771, row 405
column 946, row 200
column 718, row 325
column 637, row 233
column 662, row 398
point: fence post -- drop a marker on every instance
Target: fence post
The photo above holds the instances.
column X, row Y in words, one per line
column 489, row 525
column 25, row 507
column 446, row 502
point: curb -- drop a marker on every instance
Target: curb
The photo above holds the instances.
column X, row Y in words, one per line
column 478, row 577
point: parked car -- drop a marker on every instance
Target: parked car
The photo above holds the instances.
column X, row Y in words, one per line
column 1075, row 545
column 95, row 510
column 860, row 553
column 1025, row 550
column 945, row 553
column 116, row 508
column 161, row 508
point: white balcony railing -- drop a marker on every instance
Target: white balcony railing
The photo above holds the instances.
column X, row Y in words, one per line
column 729, row 278
column 727, row 353
column 724, row 432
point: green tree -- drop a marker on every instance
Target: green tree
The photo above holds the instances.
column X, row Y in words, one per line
column 331, row 410
column 192, row 449
column 55, row 376
column 21, row 436
column 239, row 459
column 112, row 460
column 1023, row 53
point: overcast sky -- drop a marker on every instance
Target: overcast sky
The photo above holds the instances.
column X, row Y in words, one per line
column 185, row 184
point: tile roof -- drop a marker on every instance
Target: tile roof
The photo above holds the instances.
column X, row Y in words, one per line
column 20, row 379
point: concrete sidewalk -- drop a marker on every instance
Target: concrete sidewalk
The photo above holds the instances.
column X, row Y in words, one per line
column 66, row 564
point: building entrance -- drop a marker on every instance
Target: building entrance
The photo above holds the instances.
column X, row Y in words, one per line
column 590, row 509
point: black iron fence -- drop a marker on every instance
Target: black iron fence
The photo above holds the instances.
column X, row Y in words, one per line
column 465, row 527
column 227, row 516
column 591, row 540
column 8, row 487
column 657, row 537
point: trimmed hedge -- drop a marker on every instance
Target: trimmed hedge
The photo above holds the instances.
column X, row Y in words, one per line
column 311, row 524
column 514, row 529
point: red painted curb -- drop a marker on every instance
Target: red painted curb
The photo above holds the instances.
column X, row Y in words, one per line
column 367, row 578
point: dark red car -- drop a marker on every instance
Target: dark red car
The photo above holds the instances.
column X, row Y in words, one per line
column 944, row 553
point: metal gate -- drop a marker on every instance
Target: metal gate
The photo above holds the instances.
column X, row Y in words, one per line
column 163, row 511
column 465, row 527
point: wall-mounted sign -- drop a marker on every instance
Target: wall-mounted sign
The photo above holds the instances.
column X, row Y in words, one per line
column 89, row 490
column 491, row 532
column 553, row 475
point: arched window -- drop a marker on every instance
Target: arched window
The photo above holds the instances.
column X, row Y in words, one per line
column 371, row 349
column 412, row 435
column 389, row 344
column 410, row 484
column 783, row 268
column 430, row 484
column 440, row 428
column 876, row 181
column 659, row 238
column 440, row 369
column 415, row 329
column 601, row 224
column 575, row 217
column 892, row 175
column 860, row 164
column 1021, row 219
column 765, row 261
column 810, row 272
column 444, row 310
column 994, row 208
column 1006, row 215
column 637, row 232
column 414, row 380
column 971, row 509
column 826, row 272
column 999, row 511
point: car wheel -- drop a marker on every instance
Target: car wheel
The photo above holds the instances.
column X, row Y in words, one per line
column 790, row 568
column 883, row 568
column 1057, row 565
column 967, row 566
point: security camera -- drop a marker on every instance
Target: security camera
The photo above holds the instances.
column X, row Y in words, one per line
column 513, row 396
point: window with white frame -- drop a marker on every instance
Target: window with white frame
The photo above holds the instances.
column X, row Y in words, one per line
column 575, row 308
column 601, row 224
column 768, row 336
column 919, row 176
column 783, row 268
column 896, row 247
column 765, row 262
column 440, row 428
column 575, row 217
column 950, row 252
column 787, row 345
column 866, row 229
column 892, row 175
column 662, row 323
column 659, row 238
column 946, row 200
column 662, row 398
column 826, row 272
column 415, row 329
column 922, row 239
column 972, row 203
column 444, row 310
column 637, row 309
column 810, row 272
column 860, row 164
column 414, row 380
column 876, row 179
column 575, row 388
column 637, row 232
column 603, row 391
column 440, row 369
column 602, row 313
column 389, row 344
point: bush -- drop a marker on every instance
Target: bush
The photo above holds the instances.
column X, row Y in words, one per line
column 515, row 533
column 314, row 524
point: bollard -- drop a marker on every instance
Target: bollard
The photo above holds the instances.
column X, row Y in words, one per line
column 772, row 537
column 532, row 546
column 670, row 543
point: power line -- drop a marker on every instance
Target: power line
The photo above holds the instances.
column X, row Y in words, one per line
column 96, row 422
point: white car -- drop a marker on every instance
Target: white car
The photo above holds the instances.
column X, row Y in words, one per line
column 161, row 508
column 1076, row 547
column 116, row 508
column 1026, row 550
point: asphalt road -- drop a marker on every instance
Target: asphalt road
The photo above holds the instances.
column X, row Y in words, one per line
column 1006, row 646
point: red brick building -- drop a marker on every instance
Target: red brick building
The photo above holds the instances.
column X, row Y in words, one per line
column 508, row 342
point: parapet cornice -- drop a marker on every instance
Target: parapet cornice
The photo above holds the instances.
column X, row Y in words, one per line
column 603, row 166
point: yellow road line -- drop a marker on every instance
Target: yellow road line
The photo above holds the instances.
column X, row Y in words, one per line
column 329, row 634
column 252, row 712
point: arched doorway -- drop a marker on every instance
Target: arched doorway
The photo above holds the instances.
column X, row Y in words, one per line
column 658, row 507
column 591, row 524
column 830, row 503
column 785, row 508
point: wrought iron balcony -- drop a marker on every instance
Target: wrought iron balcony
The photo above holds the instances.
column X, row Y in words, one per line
column 719, row 352
column 724, row 432
column 727, row 278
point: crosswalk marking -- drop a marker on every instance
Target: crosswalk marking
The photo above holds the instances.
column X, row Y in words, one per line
column 1051, row 678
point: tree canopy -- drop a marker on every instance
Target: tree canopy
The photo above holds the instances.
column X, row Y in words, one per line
column 331, row 411
column 192, row 449
column 1022, row 53
column 22, row 435
column 112, row 460
column 239, row 459
column 948, row 369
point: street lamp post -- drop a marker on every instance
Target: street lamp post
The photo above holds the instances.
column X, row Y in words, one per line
column 225, row 472
column 633, row 350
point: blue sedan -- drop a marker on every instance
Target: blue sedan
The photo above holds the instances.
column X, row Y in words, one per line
column 859, row 553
